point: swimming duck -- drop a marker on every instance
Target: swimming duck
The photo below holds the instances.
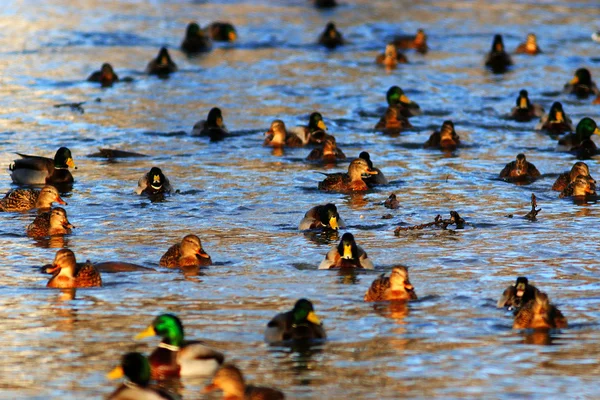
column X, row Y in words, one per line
column 106, row 76
column 530, row 46
column 212, row 127
column 396, row 287
column 539, row 314
column 301, row 323
column 582, row 85
column 376, row 179
column 50, row 223
column 314, row 132
column 525, row 111
column 347, row 254
column 563, row 180
column 222, row 32
column 322, row 217
column 396, row 97
column 325, row 3
column 556, row 121
column 35, row 170
column 195, row 40
column 277, row 136
column 153, row 182
column 392, row 121
column 69, row 274
column 352, row 181
column 186, row 254
column 28, row 199
column 329, row 153
column 115, row 153
column 581, row 187
column 417, row 42
column 580, row 143
column 331, row 37
column 517, row 295
column 497, row 59
column 392, row 202
column 175, row 356
column 519, row 170
column 230, row 380
column 136, row 368
column 391, row 57
column 162, row 65
column 445, row 139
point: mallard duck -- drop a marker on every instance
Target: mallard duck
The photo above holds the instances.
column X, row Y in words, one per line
column 314, row 132
column 222, row 32
column 517, row 295
column 331, row 37
column 445, row 139
column 188, row 253
column 175, row 356
column 563, row 180
column 525, row 111
column 417, row 42
column 68, row 274
column 375, row 179
column 392, row 121
column 581, row 140
column 582, row 85
column 230, row 380
column 329, row 153
column 50, row 223
column 277, row 136
column 325, row 3
column 396, row 97
column 195, row 40
column 556, row 121
column 396, row 287
column 581, row 187
column 136, row 368
column 519, row 170
column 106, row 76
column 352, row 181
column 153, row 182
column 322, row 217
column 391, row 57
column 392, row 202
column 115, row 153
column 212, row 127
column 497, row 59
column 28, row 199
column 301, row 323
column 35, row 170
column 530, row 46
column 347, row 254
column 539, row 314
column 162, row 65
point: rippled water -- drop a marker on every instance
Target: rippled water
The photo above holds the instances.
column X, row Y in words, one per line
column 245, row 202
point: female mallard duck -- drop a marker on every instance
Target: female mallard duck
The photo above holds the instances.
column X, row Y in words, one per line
column 563, row 180
column 530, row 46
column 175, row 356
column 329, row 153
column 301, row 323
column 445, row 139
column 222, row 32
column 331, row 37
column 322, row 217
column 580, row 143
column 392, row 121
column 391, row 57
column 347, row 254
column 153, row 182
column 556, row 121
column 396, row 97
column 277, row 136
column 417, row 42
column 188, row 253
column 519, row 170
column 525, row 110
column 212, row 127
column 230, row 380
column 50, row 223
column 582, row 85
column 162, row 65
column 68, row 274
column 581, row 187
column 352, row 181
column 195, row 40
column 106, row 76
column 35, row 170
column 396, row 287
column 539, row 314
column 28, row 199
column 497, row 59
column 136, row 368
column 517, row 295
column 314, row 132
column 376, row 179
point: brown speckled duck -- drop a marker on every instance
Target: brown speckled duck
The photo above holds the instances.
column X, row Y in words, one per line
column 50, row 223
column 392, row 121
column 519, row 170
column 28, row 199
column 300, row 323
column 328, row 153
column 517, row 295
column 352, row 181
column 347, row 254
column 230, row 380
column 396, row 287
column 530, row 46
column 35, row 170
column 69, row 274
column 445, row 139
column 322, row 217
column 417, row 42
column 563, row 180
column 188, row 253
column 525, row 110
column 539, row 314
column 581, row 187
column 391, row 57
column 277, row 136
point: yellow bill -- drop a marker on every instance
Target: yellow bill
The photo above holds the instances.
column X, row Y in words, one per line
column 347, row 252
column 333, row 223
column 404, row 99
column 232, row 36
column 574, row 81
column 70, row 162
column 322, row 125
column 115, row 373
column 312, row 317
column 147, row 333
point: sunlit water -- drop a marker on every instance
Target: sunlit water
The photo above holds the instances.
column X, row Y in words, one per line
column 245, row 202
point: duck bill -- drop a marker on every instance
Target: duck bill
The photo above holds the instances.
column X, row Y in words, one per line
column 333, row 223
column 408, row 287
column 52, row 269
column 558, row 117
column 597, row 131
column 322, row 125
column 70, row 163
column 404, row 99
column 523, row 103
column 202, row 253
column 210, row 388
column 312, row 317
column 116, row 373
column 60, row 201
column 147, row 333
column 371, row 172
column 347, row 252
column 232, row 36
column 68, row 225
column 220, row 122
column 574, row 81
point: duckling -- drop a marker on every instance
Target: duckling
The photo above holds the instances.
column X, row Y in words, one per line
column 176, row 356
column 376, row 179
column 581, row 187
column 301, row 323
column 352, row 181
column 50, row 223
column 530, row 46
column 35, row 170
column 392, row 202
column 314, row 132
column 162, row 65
column 497, row 59
column 212, row 127
column 347, row 254
column 392, row 121
column 106, row 76
column 322, row 217
column 517, row 295
column 556, row 121
column 136, row 368
column 525, row 111
column 520, row 170
column 325, row 3
column 396, row 287
column 230, row 380
column 582, row 85
column 329, row 153
column 277, row 136
column 195, row 40
column 115, row 153
column 28, row 199
column 391, row 57
column 417, row 42
column 396, row 97
column 222, row 32
column 185, row 254
column 331, row 37
column 580, row 143
column 539, row 314
column 153, row 182
column 563, row 180
column 68, row 274
column 445, row 139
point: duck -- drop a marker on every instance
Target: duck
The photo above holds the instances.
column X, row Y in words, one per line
column 347, row 254
column 563, row 180
column 530, row 46
column 331, row 37
column 187, row 253
column 328, row 153
column 396, row 97
column 115, row 153
column 395, row 288
column 222, row 32
column 212, row 127
column 445, row 139
column 556, row 121
column 314, row 132
column 106, row 76
column 162, row 65
column 50, row 223
column 525, row 110
column 519, row 170
column 153, row 182
column 497, row 59
column 392, row 121
column 517, row 295
column 392, row 202
column 539, row 314
column 322, row 217
column 136, row 368
column 376, row 179
column 176, row 356
column 582, row 84
column 28, row 199
column 417, row 42
column 230, row 380
column 352, row 181
column 195, row 40
column 581, row 187
column 580, row 143
column 36, row 170
column 68, row 274
column 301, row 323
column 277, row 136
column 391, row 57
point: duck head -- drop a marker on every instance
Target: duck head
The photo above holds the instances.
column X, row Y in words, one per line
column 579, row 168
column 347, row 247
column 584, row 186
column 192, row 246
column 135, row 367
column 523, row 100
column 230, row 380
column 328, row 215
column 156, row 178
column 63, row 159
column 586, row 128
column 315, row 122
column 58, row 217
column 304, row 311
column 49, row 195
column 395, row 95
column 215, row 118
column 498, row 44
column 399, row 280
column 64, row 263
column 556, row 113
column 168, row 327
column 582, row 77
